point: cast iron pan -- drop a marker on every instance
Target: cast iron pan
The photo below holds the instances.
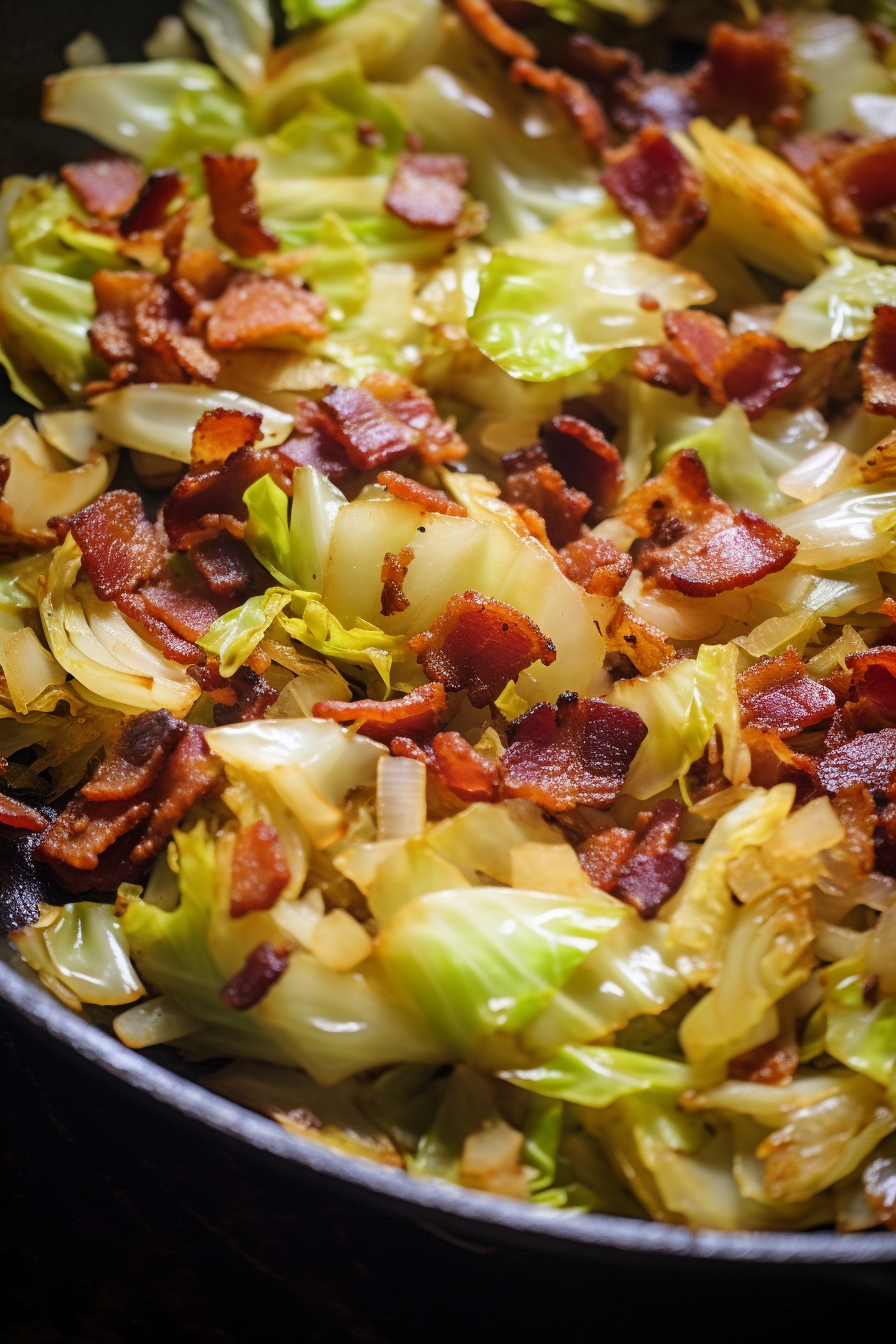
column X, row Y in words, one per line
column 34, row 37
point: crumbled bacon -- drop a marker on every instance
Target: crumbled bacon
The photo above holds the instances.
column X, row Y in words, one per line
column 773, row 1063
column 532, row 483
column 256, row 309
column 135, row 756
column 190, row 773
column 855, row 183
column 198, row 275
column 698, row 545
column 417, row 715
column 855, row 809
column 393, row 574
column 157, row 630
column 431, row 501
column 20, row 816
column 184, row 606
column 262, row 969
column 244, row 696
column 206, row 503
column 456, row 765
column 368, row 431
column 141, row 331
column 488, row 24
column 314, row 444
column 478, row 645
column 699, row 338
column 646, row 646
column 229, row 567
column 438, row 440
column 773, row 762
column 586, row 461
column 778, row 695
column 426, row 190
column 878, row 364
column 258, row 870
column 160, row 327
column 83, row 831
column 220, row 432
column 596, row 565
column 120, row 549
column 569, row 93
column 150, row 208
column 754, row 369
column 662, row 366
column 236, row 218
column 604, row 854
column 749, row 73
column 869, row 759
column 105, row 186
column 577, row 754
column 657, row 865
column 652, row 182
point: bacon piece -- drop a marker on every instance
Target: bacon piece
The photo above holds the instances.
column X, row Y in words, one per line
column 83, row 831
column 263, row 968
column 236, row 218
column 185, row 607
column 585, row 460
column 117, row 294
column 595, row 564
column 237, row 699
column 426, row 190
column 534, row 484
column 569, row 93
column 778, row 695
column 753, row 369
column 487, row 24
column 662, row 366
column 438, row 439
column 698, row 545
column 393, row 574
column 105, row 186
column 478, row 645
column 656, row 868
column 150, row 209
column 198, row 274
column 855, row 183
column 646, row 646
column 190, row 773
column 773, row 1063
column 258, row 871
column 206, row 503
column 417, row 715
column 120, row 549
column 431, row 501
column 604, row 855
column 229, row 567
column 456, row 765
column 135, row 757
column 749, row 73
column 878, row 364
column 577, row 754
column 314, row 444
column 220, row 432
column 368, row 431
column 699, row 338
column 869, row 759
column 256, row 309
column 20, row 816
column 158, row 631
column 652, row 182
column 773, row 762
column 856, row 811
column 159, row 326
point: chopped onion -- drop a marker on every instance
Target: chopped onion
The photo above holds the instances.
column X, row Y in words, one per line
column 339, row 942
column 154, row 1023
column 496, row 1147
column 400, row 798
column 549, row 868
column 805, row 832
column 831, row 467
column 28, row 667
column 300, row 918
column 159, row 418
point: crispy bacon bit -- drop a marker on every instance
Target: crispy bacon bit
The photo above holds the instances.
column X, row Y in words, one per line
column 576, row 754
column 236, row 218
column 106, row 186
column 204, row 504
column 96, row 845
column 456, row 765
column 586, row 461
column 431, row 501
column 229, row 567
column 120, row 549
column 699, row 338
column 157, row 631
column 489, row 25
column 533, row 484
column 855, row 809
column 255, row 309
column 647, row 647
column 855, row 183
column 417, row 715
column 438, row 439
column 20, row 816
column 368, row 431
column 369, row 136
column 656, row 868
column 151, row 206
column 777, row 695
column 239, row 698
column 185, row 607
column 198, row 275
column 749, row 73
column 478, row 645
column 427, row 190
column 259, row 870
column 604, row 855
column 220, row 432
column 263, row 968
column 160, row 327
column 773, row 1063
column 773, row 762
column 697, row 544
column 869, row 759
column 878, row 364
column 393, row 574
column 596, row 565
column 569, row 93
column 753, row 369
column 140, row 330
column 314, row 444
column 662, row 366
column 652, row 182
column 135, row 757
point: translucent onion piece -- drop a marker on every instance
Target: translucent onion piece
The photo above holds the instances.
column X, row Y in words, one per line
column 339, row 942
column 159, row 418
column 154, row 1023
column 400, row 798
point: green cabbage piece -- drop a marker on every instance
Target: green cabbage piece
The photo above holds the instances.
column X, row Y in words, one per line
column 293, row 541
column 338, row 270
column 544, row 317
column 467, row 1104
column 735, row 469
column 403, row 1101
column 202, row 121
column 233, row 637
column 598, row 1075
column 839, row 305
column 301, row 13
column 860, row 1034
column 49, row 315
column 84, row 948
column 844, row 529
column 833, row 54
column 484, row 961
column 33, row 227
column 237, row 34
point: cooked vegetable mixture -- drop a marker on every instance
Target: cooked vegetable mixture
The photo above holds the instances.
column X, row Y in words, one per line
column 467, row 709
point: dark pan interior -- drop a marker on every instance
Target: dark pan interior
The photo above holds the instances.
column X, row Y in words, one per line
column 34, row 37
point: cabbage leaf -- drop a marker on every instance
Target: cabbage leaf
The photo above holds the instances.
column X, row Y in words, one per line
column 839, row 305
column 598, row 1075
